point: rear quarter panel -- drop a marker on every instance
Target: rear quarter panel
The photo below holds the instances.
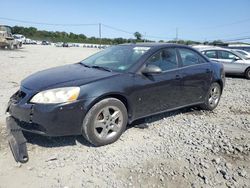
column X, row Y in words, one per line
column 218, row 73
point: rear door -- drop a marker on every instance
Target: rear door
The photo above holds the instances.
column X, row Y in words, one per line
column 196, row 76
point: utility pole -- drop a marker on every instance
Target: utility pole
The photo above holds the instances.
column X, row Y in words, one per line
column 144, row 37
column 100, row 34
column 176, row 34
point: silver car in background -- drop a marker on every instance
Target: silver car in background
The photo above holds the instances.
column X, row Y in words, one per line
column 234, row 62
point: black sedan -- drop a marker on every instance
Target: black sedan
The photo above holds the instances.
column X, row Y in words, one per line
column 100, row 95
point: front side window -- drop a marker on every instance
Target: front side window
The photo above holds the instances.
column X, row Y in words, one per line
column 166, row 59
column 189, row 57
column 226, row 55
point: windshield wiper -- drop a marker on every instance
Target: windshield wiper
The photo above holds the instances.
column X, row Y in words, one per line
column 85, row 65
column 96, row 67
column 102, row 68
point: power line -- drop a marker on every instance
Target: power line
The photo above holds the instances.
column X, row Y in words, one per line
column 239, row 34
column 124, row 31
column 50, row 24
column 223, row 25
column 81, row 24
column 237, row 39
column 117, row 29
column 132, row 33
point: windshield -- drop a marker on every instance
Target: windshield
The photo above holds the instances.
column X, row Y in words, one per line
column 117, row 58
column 5, row 28
column 241, row 52
column 241, row 56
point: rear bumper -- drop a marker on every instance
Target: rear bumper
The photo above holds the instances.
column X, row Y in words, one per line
column 50, row 120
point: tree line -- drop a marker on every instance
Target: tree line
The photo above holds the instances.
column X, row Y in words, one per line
column 61, row 36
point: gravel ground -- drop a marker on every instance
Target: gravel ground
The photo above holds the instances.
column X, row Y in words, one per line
column 184, row 148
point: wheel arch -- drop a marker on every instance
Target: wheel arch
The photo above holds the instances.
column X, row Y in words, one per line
column 118, row 96
column 220, row 83
column 248, row 68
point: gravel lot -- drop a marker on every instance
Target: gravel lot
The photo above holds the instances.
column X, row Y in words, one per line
column 184, row 148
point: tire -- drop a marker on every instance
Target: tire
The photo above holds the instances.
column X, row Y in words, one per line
column 11, row 46
column 105, row 122
column 247, row 73
column 213, row 97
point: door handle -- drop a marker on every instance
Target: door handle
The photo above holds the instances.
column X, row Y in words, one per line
column 177, row 77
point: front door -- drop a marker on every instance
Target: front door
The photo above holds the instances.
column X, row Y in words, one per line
column 231, row 62
column 158, row 92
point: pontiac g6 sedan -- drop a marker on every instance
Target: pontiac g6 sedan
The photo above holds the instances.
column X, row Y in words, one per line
column 100, row 95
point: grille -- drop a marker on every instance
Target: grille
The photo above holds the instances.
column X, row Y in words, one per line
column 31, row 126
column 18, row 96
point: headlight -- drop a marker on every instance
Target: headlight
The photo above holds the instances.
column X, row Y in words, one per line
column 58, row 95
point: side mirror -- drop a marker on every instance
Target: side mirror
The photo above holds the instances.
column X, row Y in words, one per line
column 151, row 69
column 236, row 58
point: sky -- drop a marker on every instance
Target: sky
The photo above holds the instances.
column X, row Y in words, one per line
column 159, row 19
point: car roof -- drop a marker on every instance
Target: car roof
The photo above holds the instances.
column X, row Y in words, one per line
column 147, row 44
column 240, row 50
column 224, row 49
column 216, row 48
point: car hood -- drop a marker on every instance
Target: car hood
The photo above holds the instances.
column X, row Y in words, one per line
column 247, row 60
column 64, row 76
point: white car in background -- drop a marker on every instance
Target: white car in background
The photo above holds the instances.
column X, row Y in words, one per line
column 59, row 44
column 20, row 39
column 27, row 41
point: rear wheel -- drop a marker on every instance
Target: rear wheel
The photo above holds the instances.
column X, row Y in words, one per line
column 213, row 97
column 105, row 122
column 247, row 73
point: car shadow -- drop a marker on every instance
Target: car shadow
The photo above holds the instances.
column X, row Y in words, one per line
column 145, row 122
column 62, row 141
column 235, row 76
column 46, row 141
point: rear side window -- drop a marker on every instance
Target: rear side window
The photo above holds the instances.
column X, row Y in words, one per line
column 211, row 54
column 190, row 57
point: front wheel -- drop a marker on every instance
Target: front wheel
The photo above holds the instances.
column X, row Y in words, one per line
column 213, row 97
column 105, row 122
column 247, row 73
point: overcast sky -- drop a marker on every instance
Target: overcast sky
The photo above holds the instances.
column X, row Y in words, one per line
column 195, row 19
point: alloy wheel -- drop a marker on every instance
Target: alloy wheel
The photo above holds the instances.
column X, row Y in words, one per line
column 108, row 122
column 214, row 96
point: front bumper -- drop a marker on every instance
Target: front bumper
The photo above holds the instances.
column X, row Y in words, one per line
column 17, row 141
column 50, row 119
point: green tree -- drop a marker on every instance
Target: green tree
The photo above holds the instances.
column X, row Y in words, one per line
column 138, row 36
